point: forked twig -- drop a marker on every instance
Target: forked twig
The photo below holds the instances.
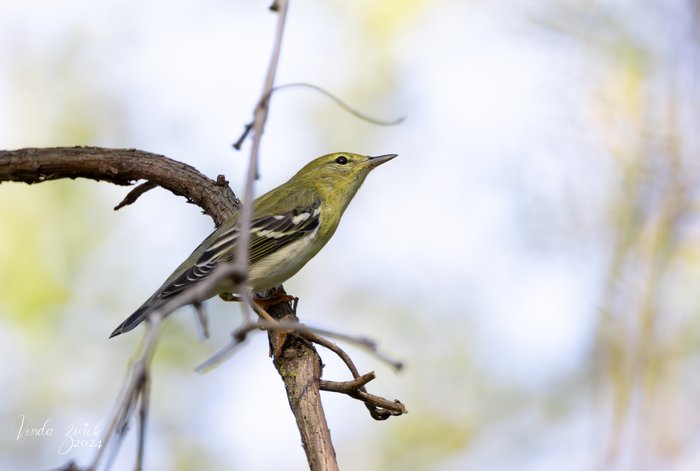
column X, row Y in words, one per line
column 310, row 333
column 378, row 407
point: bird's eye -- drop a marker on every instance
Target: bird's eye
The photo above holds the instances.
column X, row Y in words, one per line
column 342, row 160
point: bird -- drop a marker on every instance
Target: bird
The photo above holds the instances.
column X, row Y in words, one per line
column 289, row 226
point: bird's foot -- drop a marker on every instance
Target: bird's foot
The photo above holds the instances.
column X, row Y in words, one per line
column 276, row 298
column 277, row 337
column 263, row 302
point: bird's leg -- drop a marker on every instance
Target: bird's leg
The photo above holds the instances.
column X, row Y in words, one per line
column 263, row 303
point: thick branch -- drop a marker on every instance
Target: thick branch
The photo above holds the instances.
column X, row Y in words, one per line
column 300, row 368
column 121, row 167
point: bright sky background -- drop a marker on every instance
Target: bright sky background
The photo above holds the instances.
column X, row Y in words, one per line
column 455, row 256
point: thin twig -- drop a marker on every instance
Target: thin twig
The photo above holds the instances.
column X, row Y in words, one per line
column 355, row 389
column 378, row 407
column 132, row 386
column 237, row 338
column 312, row 334
column 143, row 419
column 364, row 342
column 346, row 387
column 342, row 104
column 246, row 130
column 134, row 194
column 383, row 408
column 317, row 339
column 202, row 321
column 259, row 120
column 239, row 335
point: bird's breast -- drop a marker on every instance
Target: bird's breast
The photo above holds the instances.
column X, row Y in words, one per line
column 283, row 263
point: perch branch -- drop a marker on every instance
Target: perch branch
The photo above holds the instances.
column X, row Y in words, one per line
column 300, row 368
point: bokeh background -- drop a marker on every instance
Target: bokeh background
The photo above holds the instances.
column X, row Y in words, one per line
column 532, row 255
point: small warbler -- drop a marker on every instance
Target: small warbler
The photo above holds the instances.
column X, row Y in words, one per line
column 290, row 224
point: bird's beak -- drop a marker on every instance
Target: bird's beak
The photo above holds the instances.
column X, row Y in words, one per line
column 380, row 159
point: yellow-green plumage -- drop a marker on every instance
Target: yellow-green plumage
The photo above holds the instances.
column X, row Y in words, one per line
column 290, row 224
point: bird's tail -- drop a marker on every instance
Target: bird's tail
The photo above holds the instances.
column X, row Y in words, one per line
column 136, row 318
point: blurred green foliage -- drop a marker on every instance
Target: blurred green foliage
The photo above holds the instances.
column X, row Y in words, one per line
column 52, row 231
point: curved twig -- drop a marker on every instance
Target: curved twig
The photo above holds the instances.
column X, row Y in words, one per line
column 378, row 407
column 356, row 113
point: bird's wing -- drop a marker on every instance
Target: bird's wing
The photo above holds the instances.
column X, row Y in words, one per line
column 267, row 234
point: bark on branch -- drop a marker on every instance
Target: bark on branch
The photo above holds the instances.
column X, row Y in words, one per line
column 300, row 368
column 121, row 167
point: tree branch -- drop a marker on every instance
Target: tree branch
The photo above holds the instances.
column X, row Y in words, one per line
column 121, row 167
column 300, row 368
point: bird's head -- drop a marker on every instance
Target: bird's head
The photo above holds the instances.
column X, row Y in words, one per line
column 340, row 172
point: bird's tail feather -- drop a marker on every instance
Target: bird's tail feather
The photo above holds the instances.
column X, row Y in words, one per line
column 135, row 319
